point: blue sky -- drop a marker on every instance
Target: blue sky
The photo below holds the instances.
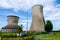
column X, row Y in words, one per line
column 21, row 8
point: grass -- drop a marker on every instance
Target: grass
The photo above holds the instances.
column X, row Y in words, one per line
column 48, row 37
column 18, row 38
column 0, row 38
column 8, row 34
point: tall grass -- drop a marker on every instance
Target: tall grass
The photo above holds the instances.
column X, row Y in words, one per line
column 8, row 34
column 55, row 36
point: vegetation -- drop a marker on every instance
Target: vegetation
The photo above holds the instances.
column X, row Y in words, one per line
column 9, row 34
column 0, row 33
column 48, row 26
column 20, row 29
column 40, row 36
column 0, row 38
column 12, row 34
column 50, row 36
column 18, row 38
column 36, row 33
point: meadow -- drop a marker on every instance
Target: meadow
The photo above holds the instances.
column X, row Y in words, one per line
column 55, row 36
column 50, row 36
column 0, row 38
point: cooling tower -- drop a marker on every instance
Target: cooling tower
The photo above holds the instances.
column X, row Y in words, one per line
column 12, row 25
column 37, row 19
column 13, row 20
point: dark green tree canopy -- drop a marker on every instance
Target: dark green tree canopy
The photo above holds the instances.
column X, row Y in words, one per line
column 20, row 28
column 48, row 26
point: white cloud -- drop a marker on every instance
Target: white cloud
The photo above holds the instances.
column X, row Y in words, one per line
column 25, row 4
column 4, row 3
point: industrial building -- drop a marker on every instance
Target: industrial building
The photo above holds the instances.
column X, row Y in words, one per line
column 12, row 25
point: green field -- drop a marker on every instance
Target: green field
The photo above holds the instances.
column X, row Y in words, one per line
column 51, row 36
column 47, row 37
column 0, row 38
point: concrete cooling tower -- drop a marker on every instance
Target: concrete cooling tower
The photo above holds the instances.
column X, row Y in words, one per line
column 12, row 25
column 13, row 20
column 37, row 19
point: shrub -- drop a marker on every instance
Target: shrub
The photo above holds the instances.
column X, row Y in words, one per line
column 36, row 33
column 8, row 35
column 0, row 34
column 48, row 26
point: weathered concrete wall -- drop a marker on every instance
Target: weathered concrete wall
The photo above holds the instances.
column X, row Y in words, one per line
column 9, row 30
column 37, row 19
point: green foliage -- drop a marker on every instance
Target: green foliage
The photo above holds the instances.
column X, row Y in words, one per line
column 0, row 34
column 36, row 33
column 8, row 34
column 17, row 38
column 20, row 29
column 48, row 26
column 48, row 36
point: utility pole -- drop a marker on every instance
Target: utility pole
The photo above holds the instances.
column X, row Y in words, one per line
column 27, row 23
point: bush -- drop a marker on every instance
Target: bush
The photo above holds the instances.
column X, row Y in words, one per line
column 0, row 34
column 48, row 26
column 9, row 35
column 37, row 33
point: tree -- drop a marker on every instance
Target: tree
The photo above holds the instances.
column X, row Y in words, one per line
column 20, row 29
column 48, row 26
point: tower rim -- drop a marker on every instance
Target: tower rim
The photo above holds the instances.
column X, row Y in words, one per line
column 37, row 5
column 12, row 16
